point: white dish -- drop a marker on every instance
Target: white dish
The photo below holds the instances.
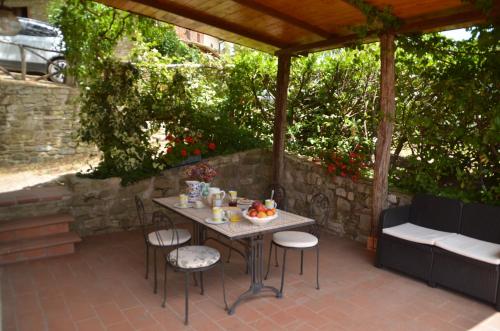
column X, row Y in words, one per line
column 178, row 205
column 211, row 221
column 243, row 201
column 259, row 221
column 196, row 207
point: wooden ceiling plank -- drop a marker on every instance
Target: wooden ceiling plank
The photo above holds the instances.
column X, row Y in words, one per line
column 214, row 21
column 464, row 19
column 270, row 11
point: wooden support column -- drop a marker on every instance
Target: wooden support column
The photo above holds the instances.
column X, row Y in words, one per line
column 385, row 129
column 280, row 123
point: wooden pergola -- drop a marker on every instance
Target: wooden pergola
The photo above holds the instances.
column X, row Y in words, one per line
column 288, row 28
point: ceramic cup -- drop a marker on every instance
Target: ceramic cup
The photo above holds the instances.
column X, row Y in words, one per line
column 183, row 200
column 217, row 214
column 199, row 204
column 270, row 204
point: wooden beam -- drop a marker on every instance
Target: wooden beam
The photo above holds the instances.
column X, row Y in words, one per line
column 385, row 129
column 463, row 19
column 322, row 45
column 270, row 11
column 215, row 21
column 280, row 123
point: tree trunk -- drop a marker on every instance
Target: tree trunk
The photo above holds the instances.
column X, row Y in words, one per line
column 385, row 129
column 280, row 118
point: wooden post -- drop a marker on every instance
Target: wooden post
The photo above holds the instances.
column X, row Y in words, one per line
column 280, row 117
column 385, row 129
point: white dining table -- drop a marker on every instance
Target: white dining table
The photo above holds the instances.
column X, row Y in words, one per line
column 242, row 230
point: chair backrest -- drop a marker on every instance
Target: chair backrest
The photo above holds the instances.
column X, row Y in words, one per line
column 436, row 213
column 161, row 222
column 319, row 210
column 141, row 215
column 279, row 195
column 481, row 222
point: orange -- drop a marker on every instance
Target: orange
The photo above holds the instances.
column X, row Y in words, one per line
column 270, row 212
column 253, row 213
column 261, row 214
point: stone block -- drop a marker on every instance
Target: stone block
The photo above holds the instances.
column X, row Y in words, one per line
column 341, row 192
column 343, row 204
column 350, row 196
column 393, row 199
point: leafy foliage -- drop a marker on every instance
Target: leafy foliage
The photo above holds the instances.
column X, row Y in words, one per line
column 447, row 134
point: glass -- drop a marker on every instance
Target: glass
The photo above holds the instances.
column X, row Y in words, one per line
column 233, row 198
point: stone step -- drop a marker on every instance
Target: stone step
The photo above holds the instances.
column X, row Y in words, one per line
column 37, row 248
column 35, row 201
column 34, row 226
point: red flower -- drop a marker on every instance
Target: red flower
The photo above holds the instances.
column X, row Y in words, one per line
column 212, row 146
column 184, row 153
column 169, row 150
column 189, row 140
column 170, row 137
column 343, row 174
column 343, row 166
column 177, row 140
column 197, row 152
column 354, row 178
column 331, row 168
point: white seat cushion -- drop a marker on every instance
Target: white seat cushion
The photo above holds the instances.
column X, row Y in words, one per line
column 169, row 238
column 415, row 233
column 295, row 239
column 193, row 257
column 470, row 247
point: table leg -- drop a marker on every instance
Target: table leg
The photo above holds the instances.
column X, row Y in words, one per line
column 256, row 265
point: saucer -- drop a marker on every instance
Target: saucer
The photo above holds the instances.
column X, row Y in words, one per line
column 211, row 221
column 178, row 205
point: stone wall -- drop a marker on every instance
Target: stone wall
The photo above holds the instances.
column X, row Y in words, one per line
column 37, row 9
column 101, row 206
column 350, row 202
column 37, row 122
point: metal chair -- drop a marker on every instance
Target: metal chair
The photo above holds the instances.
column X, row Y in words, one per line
column 301, row 240
column 151, row 238
column 187, row 259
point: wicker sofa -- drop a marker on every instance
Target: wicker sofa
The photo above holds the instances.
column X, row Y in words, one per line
column 444, row 242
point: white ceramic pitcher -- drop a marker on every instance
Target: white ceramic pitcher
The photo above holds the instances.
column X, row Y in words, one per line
column 212, row 192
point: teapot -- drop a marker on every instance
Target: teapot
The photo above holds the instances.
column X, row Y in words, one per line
column 215, row 192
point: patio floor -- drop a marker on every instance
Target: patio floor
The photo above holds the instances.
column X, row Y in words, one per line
column 102, row 287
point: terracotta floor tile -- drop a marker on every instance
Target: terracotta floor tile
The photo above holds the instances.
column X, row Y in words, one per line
column 91, row 324
column 234, row 323
column 60, row 323
column 102, row 287
column 80, row 310
column 109, row 313
column 120, row 326
column 139, row 317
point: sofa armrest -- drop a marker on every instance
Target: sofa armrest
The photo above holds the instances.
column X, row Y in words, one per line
column 394, row 216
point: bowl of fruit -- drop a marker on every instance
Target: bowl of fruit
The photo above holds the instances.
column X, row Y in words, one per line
column 258, row 214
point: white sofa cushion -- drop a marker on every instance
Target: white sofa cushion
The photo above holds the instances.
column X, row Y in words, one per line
column 415, row 233
column 470, row 247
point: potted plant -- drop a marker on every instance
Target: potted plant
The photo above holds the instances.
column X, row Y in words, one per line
column 182, row 150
